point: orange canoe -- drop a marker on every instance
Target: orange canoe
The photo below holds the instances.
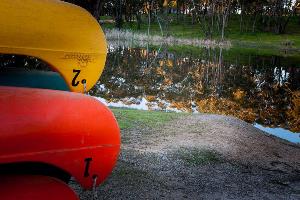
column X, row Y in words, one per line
column 71, row 133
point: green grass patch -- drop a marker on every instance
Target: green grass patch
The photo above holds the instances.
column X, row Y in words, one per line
column 129, row 118
column 259, row 39
column 198, row 157
column 106, row 18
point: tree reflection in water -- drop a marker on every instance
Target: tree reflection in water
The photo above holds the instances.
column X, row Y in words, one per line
column 261, row 89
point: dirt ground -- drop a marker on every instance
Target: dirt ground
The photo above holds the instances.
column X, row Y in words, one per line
column 203, row 157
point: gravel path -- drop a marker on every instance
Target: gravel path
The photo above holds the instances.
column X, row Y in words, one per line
column 203, row 157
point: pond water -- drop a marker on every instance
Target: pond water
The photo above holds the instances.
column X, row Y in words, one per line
column 260, row 89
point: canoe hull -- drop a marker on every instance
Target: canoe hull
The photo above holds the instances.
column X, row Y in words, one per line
column 71, row 131
column 66, row 37
column 25, row 187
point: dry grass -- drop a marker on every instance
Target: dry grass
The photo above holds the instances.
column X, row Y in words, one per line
column 142, row 39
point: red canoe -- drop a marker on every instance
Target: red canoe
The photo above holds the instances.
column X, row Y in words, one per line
column 68, row 132
column 33, row 187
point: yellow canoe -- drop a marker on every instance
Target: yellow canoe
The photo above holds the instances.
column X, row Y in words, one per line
column 63, row 35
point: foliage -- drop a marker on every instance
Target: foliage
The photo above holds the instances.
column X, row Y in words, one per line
column 258, row 40
column 294, row 112
column 17, row 61
column 255, row 88
column 210, row 16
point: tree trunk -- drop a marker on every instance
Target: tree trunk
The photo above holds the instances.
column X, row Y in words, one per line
column 139, row 20
column 226, row 11
column 96, row 9
column 241, row 17
column 254, row 23
column 119, row 20
column 177, row 11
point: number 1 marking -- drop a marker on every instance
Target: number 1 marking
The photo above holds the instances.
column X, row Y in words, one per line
column 87, row 167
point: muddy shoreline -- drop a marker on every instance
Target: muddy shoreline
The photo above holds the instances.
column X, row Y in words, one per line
column 203, row 157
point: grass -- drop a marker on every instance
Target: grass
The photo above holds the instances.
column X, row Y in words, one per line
column 254, row 40
column 143, row 39
column 197, row 157
column 129, row 118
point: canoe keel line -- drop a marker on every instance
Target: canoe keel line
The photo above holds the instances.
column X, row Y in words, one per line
column 47, row 135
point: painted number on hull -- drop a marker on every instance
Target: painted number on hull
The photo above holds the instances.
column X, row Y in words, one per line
column 87, row 166
column 75, row 83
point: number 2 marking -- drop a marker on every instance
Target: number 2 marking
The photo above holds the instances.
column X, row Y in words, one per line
column 74, row 82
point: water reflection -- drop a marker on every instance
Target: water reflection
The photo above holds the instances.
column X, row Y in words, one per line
column 280, row 132
column 256, row 89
